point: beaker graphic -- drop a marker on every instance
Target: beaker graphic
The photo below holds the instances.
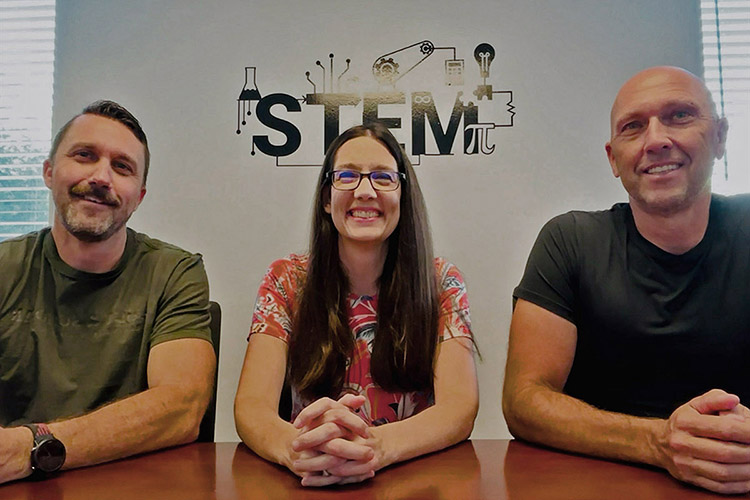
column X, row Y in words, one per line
column 248, row 94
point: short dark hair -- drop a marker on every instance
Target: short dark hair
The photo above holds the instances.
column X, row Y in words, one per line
column 114, row 111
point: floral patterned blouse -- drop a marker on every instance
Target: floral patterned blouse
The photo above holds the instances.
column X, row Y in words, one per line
column 273, row 316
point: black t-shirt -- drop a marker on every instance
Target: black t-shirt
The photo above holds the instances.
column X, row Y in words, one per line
column 654, row 329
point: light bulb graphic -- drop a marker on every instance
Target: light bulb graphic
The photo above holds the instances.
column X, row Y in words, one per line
column 484, row 54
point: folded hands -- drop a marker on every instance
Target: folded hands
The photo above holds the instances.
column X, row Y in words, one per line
column 334, row 445
column 707, row 442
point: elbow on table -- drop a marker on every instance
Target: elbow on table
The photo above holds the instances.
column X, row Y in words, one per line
column 189, row 420
column 468, row 421
column 516, row 416
column 530, row 411
column 245, row 408
column 191, row 435
column 464, row 421
column 191, row 428
column 516, row 430
column 239, row 415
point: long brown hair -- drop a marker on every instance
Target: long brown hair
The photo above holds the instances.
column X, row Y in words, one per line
column 403, row 352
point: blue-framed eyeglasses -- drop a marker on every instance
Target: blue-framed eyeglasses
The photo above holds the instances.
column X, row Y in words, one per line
column 380, row 180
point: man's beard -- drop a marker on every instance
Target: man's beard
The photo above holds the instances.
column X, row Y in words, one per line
column 87, row 228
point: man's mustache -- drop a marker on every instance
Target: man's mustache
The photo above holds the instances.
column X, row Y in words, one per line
column 98, row 193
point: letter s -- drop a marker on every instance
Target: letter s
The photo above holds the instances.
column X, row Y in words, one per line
column 263, row 113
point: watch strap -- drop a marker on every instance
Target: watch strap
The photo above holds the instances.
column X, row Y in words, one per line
column 39, row 431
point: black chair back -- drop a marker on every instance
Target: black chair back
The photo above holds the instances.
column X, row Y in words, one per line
column 206, row 433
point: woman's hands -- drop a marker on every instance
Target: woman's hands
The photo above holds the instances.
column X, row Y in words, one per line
column 334, row 446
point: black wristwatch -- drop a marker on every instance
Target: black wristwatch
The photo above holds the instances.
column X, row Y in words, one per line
column 48, row 453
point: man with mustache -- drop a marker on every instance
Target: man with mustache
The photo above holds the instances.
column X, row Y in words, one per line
column 630, row 336
column 104, row 342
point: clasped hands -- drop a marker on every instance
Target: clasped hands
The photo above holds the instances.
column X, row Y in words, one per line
column 706, row 442
column 334, row 445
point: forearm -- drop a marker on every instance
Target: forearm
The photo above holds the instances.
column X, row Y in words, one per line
column 431, row 430
column 448, row 421
column 256, row 404
column 264, row 432
column 156, row 418
column 543, row 415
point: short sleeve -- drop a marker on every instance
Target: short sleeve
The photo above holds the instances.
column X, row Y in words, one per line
column 183, row 306
column 454, row 319
column 273, row 311
column 549, row 278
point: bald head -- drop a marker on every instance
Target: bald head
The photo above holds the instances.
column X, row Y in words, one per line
column 665, row 138
column 646, row 84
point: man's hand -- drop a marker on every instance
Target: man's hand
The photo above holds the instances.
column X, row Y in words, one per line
column 15, row 453
column 706, row 442
column 334, row 443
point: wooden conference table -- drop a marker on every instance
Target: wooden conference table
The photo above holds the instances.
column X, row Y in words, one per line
column 479, row 469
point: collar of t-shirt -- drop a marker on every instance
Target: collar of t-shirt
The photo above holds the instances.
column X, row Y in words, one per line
column 59, row 266
column 686, row 260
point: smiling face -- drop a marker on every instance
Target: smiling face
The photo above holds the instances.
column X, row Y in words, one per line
column 364, row 215
column 96, row 177
column 664, row 140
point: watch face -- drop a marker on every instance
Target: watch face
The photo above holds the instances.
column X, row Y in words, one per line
column 49, row 456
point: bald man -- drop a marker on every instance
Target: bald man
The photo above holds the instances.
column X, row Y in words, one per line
column 630, row 336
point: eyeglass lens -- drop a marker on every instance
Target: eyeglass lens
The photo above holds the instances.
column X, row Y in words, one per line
column 380, row 180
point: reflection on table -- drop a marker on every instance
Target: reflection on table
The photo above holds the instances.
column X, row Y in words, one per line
column 479, row 469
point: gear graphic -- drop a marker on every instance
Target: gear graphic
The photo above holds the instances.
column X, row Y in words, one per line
column 385, row 70
column 427, row 48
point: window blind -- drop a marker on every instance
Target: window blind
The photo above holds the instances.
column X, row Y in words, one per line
column 27, row 45
column 726, row 62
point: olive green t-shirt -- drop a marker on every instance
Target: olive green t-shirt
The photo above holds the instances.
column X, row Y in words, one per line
column 71, row 341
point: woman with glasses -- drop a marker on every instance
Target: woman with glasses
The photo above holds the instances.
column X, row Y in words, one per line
column 370, row 331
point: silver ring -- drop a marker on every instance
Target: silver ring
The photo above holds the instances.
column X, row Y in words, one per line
column 326, row 473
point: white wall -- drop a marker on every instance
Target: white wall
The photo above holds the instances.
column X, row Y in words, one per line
column 178, row 66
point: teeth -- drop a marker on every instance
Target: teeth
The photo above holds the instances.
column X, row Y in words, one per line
column 663, row 168
column 95, row 200
column 364, row 213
